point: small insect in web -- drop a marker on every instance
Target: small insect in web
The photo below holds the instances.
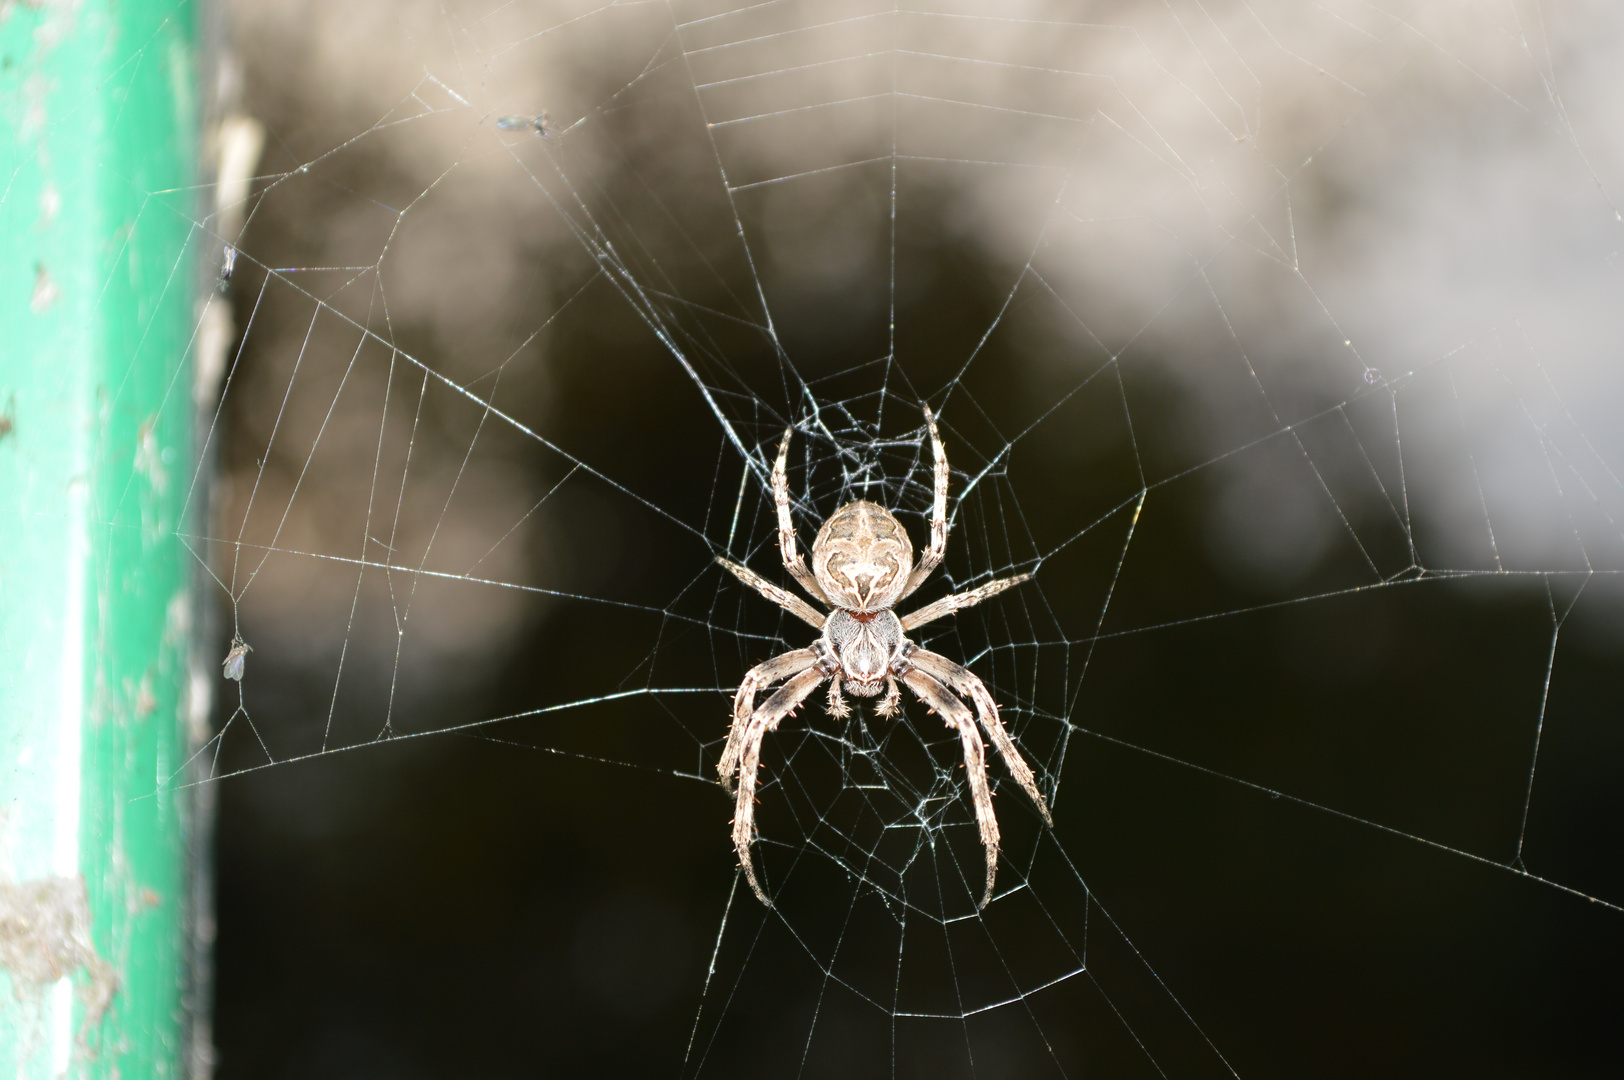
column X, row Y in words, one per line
column 236, row 659
column 862, row 565
column 228, row 265
column 542, row 125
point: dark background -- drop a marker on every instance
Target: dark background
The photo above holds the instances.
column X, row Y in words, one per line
column 1261, row 779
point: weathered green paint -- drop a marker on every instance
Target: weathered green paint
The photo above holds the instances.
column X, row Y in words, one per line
column 97, row 291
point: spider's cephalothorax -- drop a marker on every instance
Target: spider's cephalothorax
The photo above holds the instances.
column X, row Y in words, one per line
column 864, row 646
column 862, row 564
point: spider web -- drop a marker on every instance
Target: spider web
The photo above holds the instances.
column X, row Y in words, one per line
column 1295, row 414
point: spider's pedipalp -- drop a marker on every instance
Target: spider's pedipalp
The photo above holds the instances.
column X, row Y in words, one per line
column 947, row 605
column 757, row 679
column 763, row 720
column 962, row 680
column 892, row 701
column 782, row 597
column 932, row 556
column 957, row 715
column 786, row 527
column 836, row 705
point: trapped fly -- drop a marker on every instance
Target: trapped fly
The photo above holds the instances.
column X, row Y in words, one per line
column 236, row 659
column 228, row 264
column 541, row 125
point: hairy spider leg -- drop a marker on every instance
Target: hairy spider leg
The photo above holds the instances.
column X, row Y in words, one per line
column 782, row 597
column 786, row 528
column 957, row 715
column 962, row 680
column 763, row 720
column 932, row 556
column 947, row 605
column 757, row 679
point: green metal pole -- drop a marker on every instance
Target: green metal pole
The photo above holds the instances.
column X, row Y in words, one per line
column 97, row 295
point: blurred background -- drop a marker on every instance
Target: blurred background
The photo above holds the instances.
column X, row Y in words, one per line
column 1279, row 340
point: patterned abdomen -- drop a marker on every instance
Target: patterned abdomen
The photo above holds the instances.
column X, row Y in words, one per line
column 862, row 557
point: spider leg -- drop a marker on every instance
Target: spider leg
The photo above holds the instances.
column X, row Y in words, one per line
column 782, row 597
column 763, row 720
column 931, row 557
column 947, row 605
column 786, row 528
column 757, row 679
column 836, row 704
column 957, row 715
column 964, row 681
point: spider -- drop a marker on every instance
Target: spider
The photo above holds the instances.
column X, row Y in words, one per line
column 862, row 565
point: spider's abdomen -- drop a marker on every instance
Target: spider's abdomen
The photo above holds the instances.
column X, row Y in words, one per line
column 862, row 557
column 865, row 644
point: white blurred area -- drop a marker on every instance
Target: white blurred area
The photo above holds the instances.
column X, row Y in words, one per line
column 1292, row 207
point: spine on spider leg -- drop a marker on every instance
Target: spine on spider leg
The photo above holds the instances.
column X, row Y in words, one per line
column 98, row 282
